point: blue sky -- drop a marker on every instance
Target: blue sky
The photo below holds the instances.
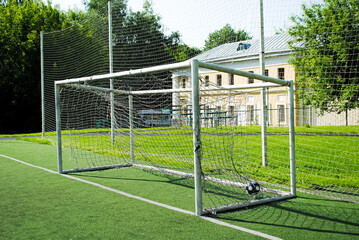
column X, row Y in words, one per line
column 195, row 19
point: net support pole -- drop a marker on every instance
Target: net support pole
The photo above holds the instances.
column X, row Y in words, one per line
column 112, row 97
column 130, row 112
column 196, row 137
column 292, row 139
column 175, row 103
column 58, row 128
column 263, row 90
column 42, row 84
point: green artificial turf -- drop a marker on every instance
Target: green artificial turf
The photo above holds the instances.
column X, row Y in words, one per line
column 35, row 204
column 324, row 159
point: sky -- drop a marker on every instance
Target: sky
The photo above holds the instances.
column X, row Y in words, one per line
column 195, row 19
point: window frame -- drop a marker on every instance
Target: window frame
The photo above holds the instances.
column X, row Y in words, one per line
column 219, row 80
column 250, row 114
column 279, row 115
column 231, row 79
column 183, row 83
column 281, row 72
column 206, row 80
column 250, row 80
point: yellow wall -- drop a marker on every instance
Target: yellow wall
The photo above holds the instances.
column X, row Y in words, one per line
column 277, row 96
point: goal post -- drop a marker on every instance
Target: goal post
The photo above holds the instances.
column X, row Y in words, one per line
column 191, row 140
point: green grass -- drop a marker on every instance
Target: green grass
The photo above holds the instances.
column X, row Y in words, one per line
column 20, row 135
column 39, row 205
column 35, row 204
column 323, row 161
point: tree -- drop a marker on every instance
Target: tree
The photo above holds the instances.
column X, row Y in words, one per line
column 20, row 26
column 326, row 55
column 139, row 36
column 183, row 52
column 225, row 35
column 101, row 6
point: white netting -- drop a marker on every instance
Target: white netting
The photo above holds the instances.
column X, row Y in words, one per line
column 326, row 93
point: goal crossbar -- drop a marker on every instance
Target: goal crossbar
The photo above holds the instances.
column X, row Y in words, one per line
column 178, row 90
column 178, row 66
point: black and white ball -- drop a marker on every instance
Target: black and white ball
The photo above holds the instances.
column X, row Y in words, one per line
column 253, row 188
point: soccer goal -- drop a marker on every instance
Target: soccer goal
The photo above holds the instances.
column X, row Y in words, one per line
column 171, row 119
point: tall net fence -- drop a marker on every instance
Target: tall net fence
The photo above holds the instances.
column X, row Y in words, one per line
column 317, row 50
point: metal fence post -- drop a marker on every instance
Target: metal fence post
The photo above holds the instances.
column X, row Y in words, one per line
column 196, row 137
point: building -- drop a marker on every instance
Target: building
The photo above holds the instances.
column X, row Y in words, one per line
column 240, row 107
column 243, row 107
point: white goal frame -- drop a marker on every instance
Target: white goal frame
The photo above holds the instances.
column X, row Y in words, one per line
column 194, row 65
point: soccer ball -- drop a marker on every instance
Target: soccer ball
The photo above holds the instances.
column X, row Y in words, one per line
column 253, row 188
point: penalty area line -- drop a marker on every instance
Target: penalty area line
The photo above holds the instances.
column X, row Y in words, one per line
column 209, row 219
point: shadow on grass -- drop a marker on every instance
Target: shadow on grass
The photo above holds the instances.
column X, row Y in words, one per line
column 162, row 178
column 129, row 179
column 303, row 213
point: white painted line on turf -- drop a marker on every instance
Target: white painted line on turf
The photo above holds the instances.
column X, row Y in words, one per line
column 150, row 201
column 28, row 164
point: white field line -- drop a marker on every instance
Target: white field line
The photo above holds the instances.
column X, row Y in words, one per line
column 150, row 201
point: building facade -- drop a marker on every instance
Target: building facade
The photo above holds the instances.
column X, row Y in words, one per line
column 239, row 107
column 244, row 107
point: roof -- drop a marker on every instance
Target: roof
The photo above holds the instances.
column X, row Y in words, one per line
column 229, row 51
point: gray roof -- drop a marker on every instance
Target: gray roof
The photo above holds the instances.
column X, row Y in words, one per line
column 230, row 51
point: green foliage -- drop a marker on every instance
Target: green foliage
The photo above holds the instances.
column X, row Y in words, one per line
column 183, row 52
column 20, row 26
column 225, row 35
column 139, row 41
column 99, row 5
column 326, row 55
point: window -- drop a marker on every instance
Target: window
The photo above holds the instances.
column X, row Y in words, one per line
column 230, row 110
column 206, row 81
column 243, row 46
column 206, row 109
column 184, row 110
column 250, row 99
column 231, row 79
column 219, row 80
column 281, row 113
column 250, row 80
column 266, row 72
column 241, row 115
column 183, row 83
column 281, row 73
column 231, row 99
column 250, row 113
column 206, row 100
column 219, row 99
column 218, row 108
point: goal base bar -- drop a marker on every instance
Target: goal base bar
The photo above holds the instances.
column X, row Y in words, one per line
column 96, row 168
column 238, row 206
column 210, row 179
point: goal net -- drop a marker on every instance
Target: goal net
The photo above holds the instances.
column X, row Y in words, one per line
column 175, row 119
column 326, row 106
